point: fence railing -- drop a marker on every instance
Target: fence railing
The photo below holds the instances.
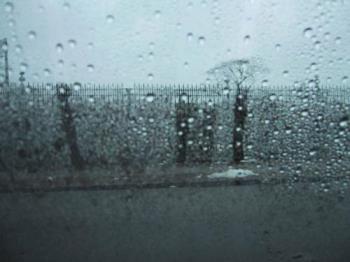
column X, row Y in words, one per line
column 201, row 92
column 55, row 126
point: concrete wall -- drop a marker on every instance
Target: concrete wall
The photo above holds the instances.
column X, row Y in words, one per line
column 237, row 223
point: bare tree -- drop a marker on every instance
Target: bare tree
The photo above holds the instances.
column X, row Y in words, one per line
column 239, row 73
column 63, row 94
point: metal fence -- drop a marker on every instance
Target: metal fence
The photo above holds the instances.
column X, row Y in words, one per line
column 190, row 92
column 144, row 125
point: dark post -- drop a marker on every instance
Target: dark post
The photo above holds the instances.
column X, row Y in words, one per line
column 240, row 114
column 207, row 146
column 4, row 47
column 182, row 129
column 63, row 93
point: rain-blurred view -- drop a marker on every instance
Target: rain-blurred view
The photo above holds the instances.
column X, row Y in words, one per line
column 122, row 102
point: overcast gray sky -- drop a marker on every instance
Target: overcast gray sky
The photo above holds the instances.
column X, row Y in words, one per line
column 175, row 41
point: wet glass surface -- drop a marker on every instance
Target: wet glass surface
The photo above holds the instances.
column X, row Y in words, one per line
column 182, row 114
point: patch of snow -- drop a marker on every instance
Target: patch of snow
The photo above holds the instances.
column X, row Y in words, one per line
column 232, row 173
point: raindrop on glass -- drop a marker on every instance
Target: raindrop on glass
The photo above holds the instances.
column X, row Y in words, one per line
column 189, row 36
column 32, row 35
column 272, row 97
column 226, row 91
column 317, row 45
column 4, row 46
column 66, row 6
column 76, row 86
column 47, row 72
column 265, row 83
column 308, row 32
column 201, row 40
column 18, row 49
column 110, row 19
column 343, row 123
column 150, row 98
column 278, row 47
column 338, row 40
column 60, row 63
column 59, row 48
column 157, row 14
column 23, row 67
column 246, row 39
column 9, row 7
column 90, row 67
column 11, row 22
column 72, row 43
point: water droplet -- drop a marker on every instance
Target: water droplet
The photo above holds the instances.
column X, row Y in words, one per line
column 246, row 39
column 11, row 22
column 76, row 86
column 66, row 6
column 90, row 45
column 189, row 36
column 313, row 66
column 184, row 98
column 278, row 47
column 59, row 48
column 150, row 97
column 32, row 35
column 272, row 97
column 317, row 45
column 157, row 14
column 338, row 40
column 285, row 73
column 18, row 49
column 60, row 63
column 186, row 65
column 327, row 35
column 91, row 99
column 190, row 120
column 23, row 67
column 312, row 152
column 110, row 19
column 265, row 83
column 308, row 32
column 150, row 76
column 90, row 67
column 343, row 123
column 201, row 40
column 305, row 113
column 345, row 79
column 72, row 43
column 9, row 7
column 217, row 20
column 4, row 46
column 47, row 72
column 226, row 91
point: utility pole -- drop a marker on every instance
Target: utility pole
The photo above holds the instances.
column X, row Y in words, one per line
column 4, row 51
